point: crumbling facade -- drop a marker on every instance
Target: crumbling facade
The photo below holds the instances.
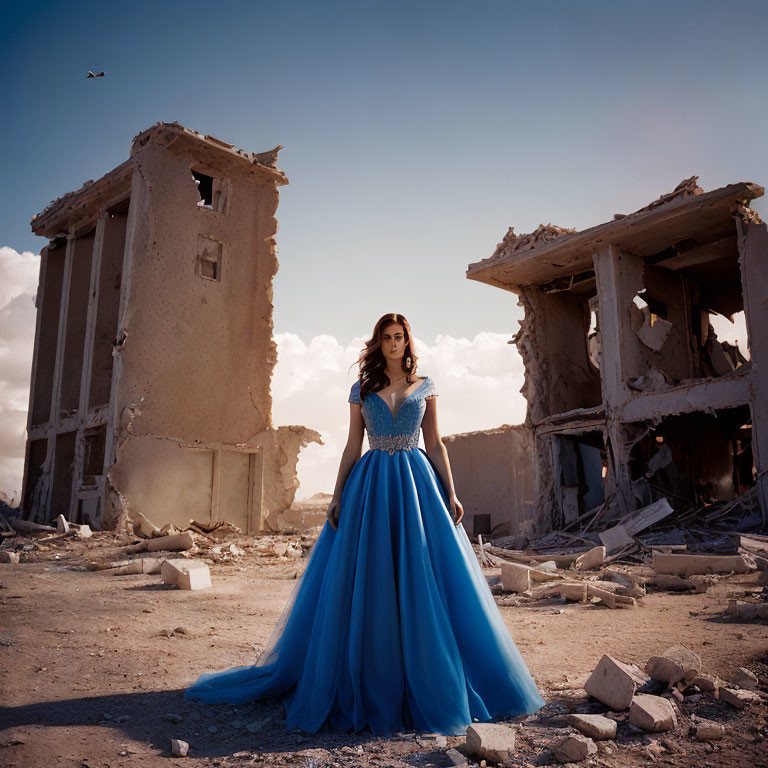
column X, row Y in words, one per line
column 153, row 356
column 631, row 396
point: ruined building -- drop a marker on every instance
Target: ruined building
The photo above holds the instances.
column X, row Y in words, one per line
column 153, row 353
column 631, row 395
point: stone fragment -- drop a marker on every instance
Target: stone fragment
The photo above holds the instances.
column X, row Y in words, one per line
column 571, row 749
column 143, row 526
column 84, row 532
column 675, row 664
column 614, row 683
column 652, row 713
column 706, row 683
column 515, row 577
column 179, row 748
column 591, row 559
column 739, row 697
column 186, row 574
column 597, row 727
column 707, row 730
column 744, row 678
column 457, row 759
column 702, row 583
column 685, row 565
column 491, row 741
column 9, row 557
column 178, row 541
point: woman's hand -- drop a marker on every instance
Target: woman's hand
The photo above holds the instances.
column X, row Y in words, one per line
column 457, row 510
column 332, row 513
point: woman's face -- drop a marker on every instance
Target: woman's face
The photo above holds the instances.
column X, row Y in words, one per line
column 393, row 342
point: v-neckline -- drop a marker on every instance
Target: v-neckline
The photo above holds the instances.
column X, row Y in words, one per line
column 405, row 399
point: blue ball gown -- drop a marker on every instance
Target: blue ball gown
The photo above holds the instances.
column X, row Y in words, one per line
column 392, row 624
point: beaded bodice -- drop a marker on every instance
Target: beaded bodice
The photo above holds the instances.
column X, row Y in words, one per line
column 399, row 431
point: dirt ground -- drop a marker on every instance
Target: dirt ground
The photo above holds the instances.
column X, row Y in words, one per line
column 94, row 668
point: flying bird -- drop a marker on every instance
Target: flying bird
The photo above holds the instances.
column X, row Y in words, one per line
column 90, row 74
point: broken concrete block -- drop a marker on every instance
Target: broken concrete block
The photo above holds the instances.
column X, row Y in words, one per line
column 179, row 748
column 614, row 683
column 671, row 583
column 685, row 565
column 615, row 539
column 652, row 713
column 186, row 574
column 83, row 532
column 491, row 741
column 597, row 727
column 739, row 697
column 176, row 542
column 140, row 565
column 9, row 557
column 572, row 749
column 675, row 664
column 143, row 526
column 619, row 536
column 548, row 566
column 706, row 683
column 609, row 598
column 457, row 760
column 702, row 583
column 707, row 730
column 591, row 559
column 515, row 577
column 62, row 526
column 744, row 609
column 744, row 678
column 575, row 591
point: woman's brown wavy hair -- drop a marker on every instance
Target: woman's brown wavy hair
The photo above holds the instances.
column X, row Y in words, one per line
column 372, row 362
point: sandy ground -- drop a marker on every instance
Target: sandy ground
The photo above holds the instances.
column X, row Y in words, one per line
column 94, row 668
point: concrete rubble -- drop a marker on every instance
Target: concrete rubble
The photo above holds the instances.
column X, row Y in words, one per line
column 572, row 749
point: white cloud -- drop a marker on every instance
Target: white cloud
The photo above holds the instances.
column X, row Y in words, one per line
column 478, row 379
column 18, row 285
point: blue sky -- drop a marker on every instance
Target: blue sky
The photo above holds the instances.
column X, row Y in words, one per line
column 415, row 133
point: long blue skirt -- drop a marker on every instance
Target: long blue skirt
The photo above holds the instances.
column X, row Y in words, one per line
column 392, row 624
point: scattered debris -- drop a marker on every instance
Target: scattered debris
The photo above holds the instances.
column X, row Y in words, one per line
column 676, row 664
column 179, row 748
column 490, row 741
column 614, row 683
column 597, row 727
column 652, row 713
column 573, row 748
column 186, row 574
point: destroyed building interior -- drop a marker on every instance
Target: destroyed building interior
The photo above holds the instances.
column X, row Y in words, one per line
column 632, row 398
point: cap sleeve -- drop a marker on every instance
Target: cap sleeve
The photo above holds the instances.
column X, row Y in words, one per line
column 354, row 393
column 431, row 388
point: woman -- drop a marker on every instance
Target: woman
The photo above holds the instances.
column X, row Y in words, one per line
column 392, row 624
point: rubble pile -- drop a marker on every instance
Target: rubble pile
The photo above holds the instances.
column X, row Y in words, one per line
column 181, row 558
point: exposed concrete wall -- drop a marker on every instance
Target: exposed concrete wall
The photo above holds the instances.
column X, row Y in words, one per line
column 493, row 474
column 163, row 345
column 753, row 250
